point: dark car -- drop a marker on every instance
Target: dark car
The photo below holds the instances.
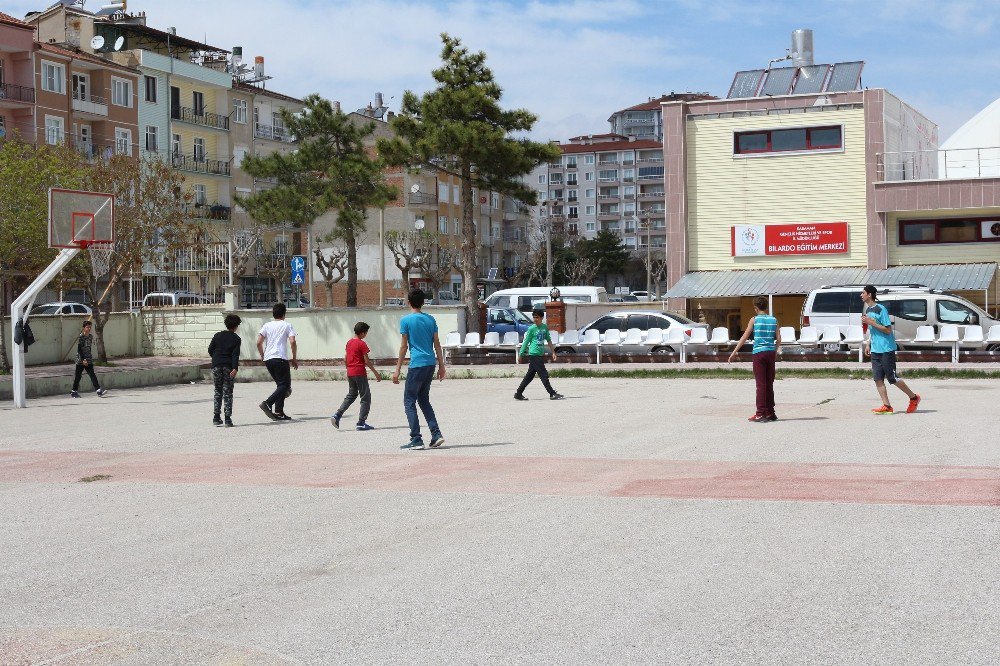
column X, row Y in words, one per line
column 504, row 320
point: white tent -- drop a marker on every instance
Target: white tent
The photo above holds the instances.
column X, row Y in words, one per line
column 973, row 151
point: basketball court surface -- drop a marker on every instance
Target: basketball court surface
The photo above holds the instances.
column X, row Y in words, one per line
column 635, row 521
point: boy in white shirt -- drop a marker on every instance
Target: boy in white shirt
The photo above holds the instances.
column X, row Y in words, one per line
column 273, row 341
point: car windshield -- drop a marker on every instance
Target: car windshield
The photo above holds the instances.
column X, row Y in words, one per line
column 520, row 317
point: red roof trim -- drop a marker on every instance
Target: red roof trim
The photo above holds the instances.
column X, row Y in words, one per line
column 17, row 23
column 80, row 55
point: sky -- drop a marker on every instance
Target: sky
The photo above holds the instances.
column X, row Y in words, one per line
column 574, row 62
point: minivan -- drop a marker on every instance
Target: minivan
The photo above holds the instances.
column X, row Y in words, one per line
column 909, row 306
column 526, row 298
column 171, row 299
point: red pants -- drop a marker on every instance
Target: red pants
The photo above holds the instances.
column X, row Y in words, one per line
column 763, row 374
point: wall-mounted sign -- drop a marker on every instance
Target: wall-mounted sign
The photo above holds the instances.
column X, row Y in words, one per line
column 768, row 240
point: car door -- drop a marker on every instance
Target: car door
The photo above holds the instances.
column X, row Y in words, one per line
column 907, row 314
column 641, row 322
column 949, row 311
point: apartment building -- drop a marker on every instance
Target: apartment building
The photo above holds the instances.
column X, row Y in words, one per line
column 17, row 78
column 644, row 121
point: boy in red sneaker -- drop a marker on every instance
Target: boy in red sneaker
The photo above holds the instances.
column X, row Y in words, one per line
column 881, row 345
column 358, row 364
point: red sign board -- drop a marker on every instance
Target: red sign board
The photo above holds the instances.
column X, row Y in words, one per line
column 770, row 240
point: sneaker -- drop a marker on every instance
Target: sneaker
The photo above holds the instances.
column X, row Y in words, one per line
column 518, row 396
column 771, row 417
column 101, row 391
column 74, row 394
column 884, row 409
column 267, row 410
column 437, row 441
column 414, row 444
column 282, row 417
column 216, row 421
column 364, row 426
column 335, row 421
column 912, row 407
column 556, row 396
column 229, row 422
column 757, row 418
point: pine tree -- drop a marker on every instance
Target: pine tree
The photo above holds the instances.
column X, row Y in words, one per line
column 607, row 252
column 459, row 128
column 329, row 170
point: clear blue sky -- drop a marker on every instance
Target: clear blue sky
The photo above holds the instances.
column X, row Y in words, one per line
column 574, row 62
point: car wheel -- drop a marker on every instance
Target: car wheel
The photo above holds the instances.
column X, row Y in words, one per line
column 663, row 350
column 565, row 350
column 993, row 348
column 833, row 347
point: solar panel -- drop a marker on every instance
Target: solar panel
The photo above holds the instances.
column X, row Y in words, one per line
column 745, row 84
column 845, row 76
column 810, row 79
column 779, row 81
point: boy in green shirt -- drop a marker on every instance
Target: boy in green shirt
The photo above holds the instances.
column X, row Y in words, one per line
column 534, row 344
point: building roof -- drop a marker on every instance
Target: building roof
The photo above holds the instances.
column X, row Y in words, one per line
column 162, row 36
column 246, row 87
column 783, row 281
column 602, row 146
column 607, row 135
column 7, row 19
column 76, row 54
column 654, row 104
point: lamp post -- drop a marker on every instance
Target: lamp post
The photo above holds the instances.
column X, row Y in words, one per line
column 548, row 243
column 381, row 259
column 645, row 225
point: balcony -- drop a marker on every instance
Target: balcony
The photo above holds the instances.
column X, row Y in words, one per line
column 422, row 199
column 639, row 121
column 650, row 160
column 652, row 195
column 608, row 180
column 216, row 211
column 571, row 165
column 200, row 117
column 91, row 104
column 654, row 176
column 603, row 216
column 607, row 197
column 15, row 94
column 607, row 162
column 198, row 164
column 555, row 165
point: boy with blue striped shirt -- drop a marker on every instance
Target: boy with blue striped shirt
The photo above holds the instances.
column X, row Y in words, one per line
column 766, row 345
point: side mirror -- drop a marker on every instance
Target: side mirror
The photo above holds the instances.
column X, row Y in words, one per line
column 974, row 319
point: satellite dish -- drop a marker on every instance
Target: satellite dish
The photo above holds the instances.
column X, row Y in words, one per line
column 415, row 188
column 97, row 43
column 119, row 43
column 419, row 224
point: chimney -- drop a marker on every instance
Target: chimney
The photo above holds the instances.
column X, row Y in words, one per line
column 378, row 100
column 390, row 115
column 802, row 47
column 258, row 66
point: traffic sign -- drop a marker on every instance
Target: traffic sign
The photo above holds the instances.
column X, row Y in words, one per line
column 298, row 270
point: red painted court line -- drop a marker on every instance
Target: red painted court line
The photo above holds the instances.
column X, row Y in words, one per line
column 431, row 471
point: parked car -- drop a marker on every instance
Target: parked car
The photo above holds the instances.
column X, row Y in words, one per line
column 909, row 306
column 445, row 297
column 526, row 298
column 504, row 320
column 644, row 296
column 170, row 299
column 642, row 320
column 623, row 298
column 60, row 308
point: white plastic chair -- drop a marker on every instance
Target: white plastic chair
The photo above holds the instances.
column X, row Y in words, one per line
column 787, row 335
column 856, row 336
column 720, row 337
column 612, row 338
column 570, row 337
column 831, row 335
column 451, row 342
column 491, row 339
column 511, row 340
column 471, row 340
column 654, row 336
column 973, row 335
column 924, row 336
column 994, row 334
column 675, row 338
column 633, row 337
column 949, row 336
column 699, row 336
column 592, row 338
column 809, row 335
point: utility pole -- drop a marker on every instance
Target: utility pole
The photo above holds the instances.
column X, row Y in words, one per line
column 548, row 244
column 381, row 257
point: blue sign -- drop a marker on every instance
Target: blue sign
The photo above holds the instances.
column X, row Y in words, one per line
column 298, row 270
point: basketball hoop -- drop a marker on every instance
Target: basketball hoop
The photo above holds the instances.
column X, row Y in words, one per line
column 100, row 257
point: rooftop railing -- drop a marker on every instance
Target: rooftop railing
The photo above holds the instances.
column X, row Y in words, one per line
column 938, row 164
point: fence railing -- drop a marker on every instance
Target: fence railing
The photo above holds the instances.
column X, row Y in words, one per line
column 199, row 164
column 16, row 93
column 938, row 164
column 214, row 257
column 199, row 117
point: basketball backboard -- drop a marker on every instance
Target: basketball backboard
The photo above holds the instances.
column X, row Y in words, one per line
column 80, row 219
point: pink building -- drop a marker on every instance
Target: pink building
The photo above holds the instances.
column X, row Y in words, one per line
column 17, row 87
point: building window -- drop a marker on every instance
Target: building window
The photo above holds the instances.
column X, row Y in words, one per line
column 240, row 111
column 55, row 128
column 81, row 87
column 150, row 83
column 590, row 210
column 650, row 173
column 123, row 141
column 591, row 226
column 443, row 224
column 152, row 143
column 571, row 162
column 121, row 92
column 443, row 192
column 949, row 230
column 574, row 212
column 588, row 159
column 590, row 194
column 455, row 197
column 457, row 225
column 571, row 179
column 571, row 195
column 53, row 77
column 788, row 140
column 239, row 154
column 198, row 103
column 175, row 144
column 589, row 175
column 199, row 150
column 607, row 175
column 541, row 179
column 200, row 196
column 496, row 200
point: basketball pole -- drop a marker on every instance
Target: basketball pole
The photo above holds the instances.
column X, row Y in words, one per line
column 19, row 309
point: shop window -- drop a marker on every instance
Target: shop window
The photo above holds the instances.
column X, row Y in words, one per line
column 788, row 140
column 949, row 230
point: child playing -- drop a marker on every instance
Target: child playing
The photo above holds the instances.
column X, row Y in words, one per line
column 534, row 344
column 225, row 352
column 273, row 341
column 358, row 363
column 766, row 345
column 419, row 334
column 85, row 361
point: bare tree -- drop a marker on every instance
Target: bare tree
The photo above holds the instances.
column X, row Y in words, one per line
column 332, row 265
column 658, row 271
column 243, row 245
column 410, row 250
column 274, row 263
column 581, row 271
column 438, row 273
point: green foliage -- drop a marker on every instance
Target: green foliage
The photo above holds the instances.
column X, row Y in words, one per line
column 607, row 250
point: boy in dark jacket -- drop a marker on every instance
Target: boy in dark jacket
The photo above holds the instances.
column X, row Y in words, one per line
column 225, row 352
column 85, row 361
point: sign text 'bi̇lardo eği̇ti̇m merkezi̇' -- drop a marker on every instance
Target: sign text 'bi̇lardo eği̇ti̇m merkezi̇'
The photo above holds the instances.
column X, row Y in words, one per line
column 765, row 240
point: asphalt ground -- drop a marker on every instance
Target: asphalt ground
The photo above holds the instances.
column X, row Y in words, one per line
column 636, row 521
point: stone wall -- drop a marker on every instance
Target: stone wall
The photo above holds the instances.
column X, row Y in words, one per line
column 56, row 336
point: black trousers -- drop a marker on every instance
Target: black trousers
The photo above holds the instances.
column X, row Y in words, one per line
column 357, row 386
column 536, row 366
column 90, row 371
column 281, row 373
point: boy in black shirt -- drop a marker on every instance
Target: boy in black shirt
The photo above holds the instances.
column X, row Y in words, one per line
column 85, row 361
column 225, row 352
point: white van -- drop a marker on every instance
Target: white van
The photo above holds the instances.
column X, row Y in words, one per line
column 172, row 299
column 526, row 298
column 909, row 306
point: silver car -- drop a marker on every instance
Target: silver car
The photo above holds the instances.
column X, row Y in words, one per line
column 643, row 320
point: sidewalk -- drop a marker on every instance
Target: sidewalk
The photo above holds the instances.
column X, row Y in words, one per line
column 46, row 380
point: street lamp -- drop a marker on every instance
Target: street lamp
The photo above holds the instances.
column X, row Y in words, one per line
column 644, row 224
column 548, row 242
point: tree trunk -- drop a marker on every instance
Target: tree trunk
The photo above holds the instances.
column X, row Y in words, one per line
column 469, row 268
column 329, row 293
column 352, row 267
column 405, row 272
column 4, row 361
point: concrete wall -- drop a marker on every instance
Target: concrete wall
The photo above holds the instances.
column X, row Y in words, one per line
column 320, row 334
column 55, row 337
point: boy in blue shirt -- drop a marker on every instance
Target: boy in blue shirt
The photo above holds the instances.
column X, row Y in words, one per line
column 420, row 336
column 766, row 345
column 882, row 347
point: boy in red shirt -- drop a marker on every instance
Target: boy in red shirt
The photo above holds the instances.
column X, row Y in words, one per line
column 357, row 377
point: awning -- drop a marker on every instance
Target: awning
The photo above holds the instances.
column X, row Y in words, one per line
column 782, row 281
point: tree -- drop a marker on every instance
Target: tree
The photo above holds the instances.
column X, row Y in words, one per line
column 151, row 221
column 581, row 271
column 607, row 251
column 332, row 265
column 329, row 170
column 459, row 128
column 438, row 272
column 410, row 250
column 26, row 173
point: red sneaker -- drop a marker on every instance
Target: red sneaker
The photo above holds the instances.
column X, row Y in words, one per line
column 912, row 407
column 756, row 418
column 884, row 409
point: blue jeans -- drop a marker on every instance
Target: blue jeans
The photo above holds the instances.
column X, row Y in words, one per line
column 418, row 392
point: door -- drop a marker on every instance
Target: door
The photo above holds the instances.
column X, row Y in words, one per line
column 81, row 87
column 175, row 102
column 86, row 140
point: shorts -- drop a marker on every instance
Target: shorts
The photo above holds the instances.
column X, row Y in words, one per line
column 884, row 367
